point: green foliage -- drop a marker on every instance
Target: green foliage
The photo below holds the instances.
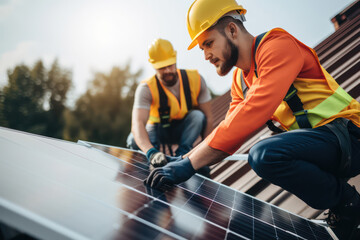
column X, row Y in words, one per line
column 58, row 85
column 2, row 119
column 24, row 99
column 34, row 101
column 103, row 113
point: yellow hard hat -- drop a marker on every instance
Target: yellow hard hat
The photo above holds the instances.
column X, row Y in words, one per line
column 203, row 14
column 161, row 53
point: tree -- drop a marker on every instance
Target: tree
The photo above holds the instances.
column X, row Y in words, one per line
column 2, row 119
column 58, row 85
column 21, row 107
column 103, row 112
column 24, row 100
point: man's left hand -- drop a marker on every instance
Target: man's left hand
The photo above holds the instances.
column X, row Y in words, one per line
column 172, row 173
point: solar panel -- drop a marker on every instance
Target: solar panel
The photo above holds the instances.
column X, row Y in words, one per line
column 56, row 189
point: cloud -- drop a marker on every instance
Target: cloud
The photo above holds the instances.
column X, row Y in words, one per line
column 25, row 52
column 7, row 7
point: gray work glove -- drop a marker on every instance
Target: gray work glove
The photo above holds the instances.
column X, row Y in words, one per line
column 156, row 158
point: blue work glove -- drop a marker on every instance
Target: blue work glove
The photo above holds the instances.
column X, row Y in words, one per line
column 156, row 158
column 172, row 173
column 173, row 159
column 205, row 171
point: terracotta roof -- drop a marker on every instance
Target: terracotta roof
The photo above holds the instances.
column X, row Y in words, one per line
column 339, row 54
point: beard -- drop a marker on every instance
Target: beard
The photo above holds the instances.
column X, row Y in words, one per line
column 230, row 58
column 169, row 79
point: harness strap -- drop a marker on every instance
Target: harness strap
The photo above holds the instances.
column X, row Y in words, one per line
column 187, row 92
column 164, row 113
column 274, row 128
column 291, row 98
column 339, row 128
column 164, row 109
column 257, row 42
column 296, row 106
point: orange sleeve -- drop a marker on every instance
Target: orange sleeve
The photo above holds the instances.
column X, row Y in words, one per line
column 279, row 59
column 235, row 98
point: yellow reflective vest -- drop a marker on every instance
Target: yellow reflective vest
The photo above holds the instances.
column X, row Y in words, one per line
column 178, row 110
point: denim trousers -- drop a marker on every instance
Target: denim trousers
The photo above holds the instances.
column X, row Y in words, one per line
column 182, row 132
column 306, row 163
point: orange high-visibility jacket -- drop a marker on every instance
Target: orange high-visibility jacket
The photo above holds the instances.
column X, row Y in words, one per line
column 281, row 60
column 177, row 110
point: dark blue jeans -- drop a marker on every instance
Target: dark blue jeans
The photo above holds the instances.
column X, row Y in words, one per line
column 305, row 162
column 182, row 132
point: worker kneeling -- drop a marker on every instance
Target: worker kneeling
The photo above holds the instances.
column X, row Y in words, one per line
column 277, row 77
column 171, row 107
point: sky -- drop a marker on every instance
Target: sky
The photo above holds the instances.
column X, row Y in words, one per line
column 88, row 36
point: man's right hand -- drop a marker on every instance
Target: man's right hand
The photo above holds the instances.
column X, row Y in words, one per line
column 156, row 158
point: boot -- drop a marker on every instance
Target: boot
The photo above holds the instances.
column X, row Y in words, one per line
column 344, row 219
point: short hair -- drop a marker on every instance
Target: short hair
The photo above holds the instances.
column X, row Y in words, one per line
column 224, row 21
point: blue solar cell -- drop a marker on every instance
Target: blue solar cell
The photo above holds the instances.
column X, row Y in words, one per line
column 285, row 235
column 225, row 196
column 263, row 231
column 157, row 213
column 147, row 232
column 219, row 214
column 198, row 205
column 208, row 189
column 242, row 224
column 232, row 236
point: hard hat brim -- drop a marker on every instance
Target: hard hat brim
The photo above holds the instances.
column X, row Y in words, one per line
column 192, row 44
column 164, row 63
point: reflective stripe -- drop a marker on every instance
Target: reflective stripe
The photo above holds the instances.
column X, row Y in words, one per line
column 331, row 106
column 154, row 119
column 294, row 126
column 289, row 95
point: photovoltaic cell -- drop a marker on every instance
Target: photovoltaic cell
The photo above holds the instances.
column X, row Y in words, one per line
column 94, row 191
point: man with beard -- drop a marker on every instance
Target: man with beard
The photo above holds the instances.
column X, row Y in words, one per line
column 279, row 78
column 171, row 107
